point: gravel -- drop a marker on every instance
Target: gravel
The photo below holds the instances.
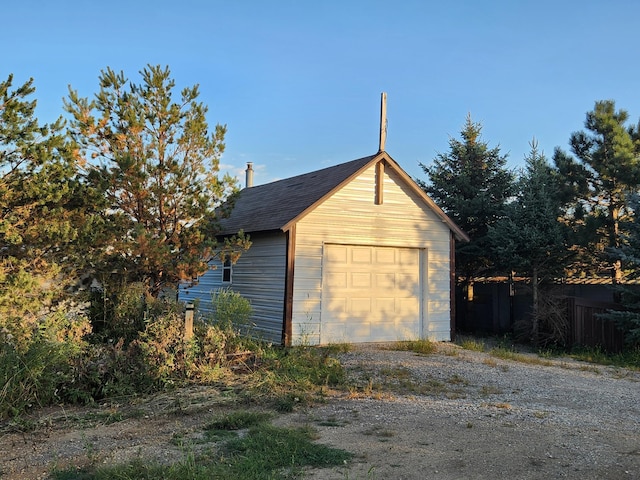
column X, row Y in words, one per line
column 453, row 414
column 460, row 414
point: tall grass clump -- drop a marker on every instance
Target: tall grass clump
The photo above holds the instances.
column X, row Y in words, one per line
column 296, row 376
column 423, row 346
column 471, row 344
column 37, row 369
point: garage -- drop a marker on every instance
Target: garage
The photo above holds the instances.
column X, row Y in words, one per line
column 370, row 293
column 356, row 252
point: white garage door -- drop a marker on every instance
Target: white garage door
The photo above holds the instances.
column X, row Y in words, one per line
column 370, row 294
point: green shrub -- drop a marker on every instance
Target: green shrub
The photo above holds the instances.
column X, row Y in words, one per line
column 24, row 302
column 111, row 370
column 169, row 357
column 39, row 370
column 57, row 364
column 119, row 312
column 231, row 308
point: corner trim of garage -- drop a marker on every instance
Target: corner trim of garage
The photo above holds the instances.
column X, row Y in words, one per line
column 287, row 329
column 452, row 286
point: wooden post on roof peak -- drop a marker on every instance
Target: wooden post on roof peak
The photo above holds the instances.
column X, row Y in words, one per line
column 383, row 122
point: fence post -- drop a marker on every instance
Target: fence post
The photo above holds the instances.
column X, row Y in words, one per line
column 188, row 321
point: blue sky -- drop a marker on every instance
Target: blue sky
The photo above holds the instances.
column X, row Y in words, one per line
column 298, row 83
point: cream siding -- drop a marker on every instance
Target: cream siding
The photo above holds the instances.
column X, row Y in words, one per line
column 259, row 276
column 351, row 217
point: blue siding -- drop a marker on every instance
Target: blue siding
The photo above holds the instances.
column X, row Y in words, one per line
column 259, row 276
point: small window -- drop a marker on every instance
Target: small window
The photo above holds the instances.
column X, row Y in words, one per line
column 227, row 270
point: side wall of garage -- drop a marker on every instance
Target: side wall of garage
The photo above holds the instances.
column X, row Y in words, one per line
column 258, row 276
column 352, row 217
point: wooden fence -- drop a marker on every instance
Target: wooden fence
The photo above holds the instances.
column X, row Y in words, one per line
column 586, row 328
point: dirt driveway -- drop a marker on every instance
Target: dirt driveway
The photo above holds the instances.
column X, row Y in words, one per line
column 454, row 414
column 461, row 414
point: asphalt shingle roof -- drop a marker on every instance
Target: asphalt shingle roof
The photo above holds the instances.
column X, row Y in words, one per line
column 273, row 205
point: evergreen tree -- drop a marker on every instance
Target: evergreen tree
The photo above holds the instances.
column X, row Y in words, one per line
column 606, row 167
column 628, row 318
column 157, row 165
column 529, row 239
column 471, row 184
column 41, row 207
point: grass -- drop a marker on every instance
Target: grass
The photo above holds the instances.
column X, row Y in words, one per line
column 331, row 421
column 424, row 347
column 265, row 452
column 490, row 390
column 472, row 344
column 335, row 348
column 295, row 376
column 238, row 420
column 242, row 444
column 509, row 354
column 400, row 380
column 382, row 433
column 627, row 359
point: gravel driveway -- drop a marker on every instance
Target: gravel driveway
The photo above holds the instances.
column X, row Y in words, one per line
column 461, row 414
column 452, row 414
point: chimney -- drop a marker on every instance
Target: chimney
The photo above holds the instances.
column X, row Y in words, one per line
column 249, row 180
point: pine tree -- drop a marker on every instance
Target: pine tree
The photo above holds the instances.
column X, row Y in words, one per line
column 41, row 209
column 529, row 239
column 471, row 184
column 606, row 167
column 628, row 318
column 157, row 165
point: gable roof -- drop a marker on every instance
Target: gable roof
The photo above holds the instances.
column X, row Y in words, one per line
column 279, row 205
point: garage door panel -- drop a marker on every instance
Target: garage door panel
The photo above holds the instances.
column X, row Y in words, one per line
column 386, row 256
column 385, row 306
column 408, row 256
column 385, row 280
column 384, row 333
column 337, row 254
column 361, row 280
column 337, row 280
column 370, row 294
column 344, row 332
column 359, row 306
column 406, row 284
column 334, row 332
column 361, row 255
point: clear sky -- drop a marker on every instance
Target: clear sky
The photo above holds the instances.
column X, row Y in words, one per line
column 298, row 82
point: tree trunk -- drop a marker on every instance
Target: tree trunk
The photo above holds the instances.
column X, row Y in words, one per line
column 614, row 242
